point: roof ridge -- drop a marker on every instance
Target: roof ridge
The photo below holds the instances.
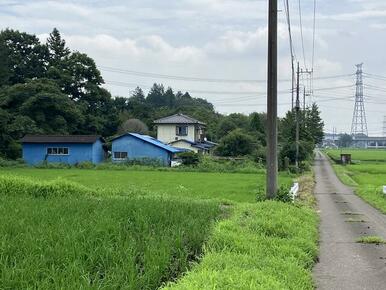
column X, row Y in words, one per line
column 174, row 119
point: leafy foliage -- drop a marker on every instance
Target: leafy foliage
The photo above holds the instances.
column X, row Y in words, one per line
column 189, row 158
column 236, row 143
column 310, row 134
column 345, row 140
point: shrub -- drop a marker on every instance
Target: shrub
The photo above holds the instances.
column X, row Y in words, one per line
column 283, row 194
column 53, row 165
column 236, row 143
column 12, row 163
column 189, row 158
column 85, row 165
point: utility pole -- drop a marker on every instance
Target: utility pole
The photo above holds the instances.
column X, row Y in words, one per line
column 272, row 161
column 297, row 109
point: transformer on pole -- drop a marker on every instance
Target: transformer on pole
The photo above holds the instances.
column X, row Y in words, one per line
column 359, row 123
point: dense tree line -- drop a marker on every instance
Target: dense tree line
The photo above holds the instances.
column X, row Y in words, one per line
column 45, row 88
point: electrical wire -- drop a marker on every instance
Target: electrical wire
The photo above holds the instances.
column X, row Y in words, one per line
column 313, row 38
column 301, row 33
column 197, row 79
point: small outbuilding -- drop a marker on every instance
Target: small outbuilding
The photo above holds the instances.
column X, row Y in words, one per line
column 137, row 147
column 69, row 149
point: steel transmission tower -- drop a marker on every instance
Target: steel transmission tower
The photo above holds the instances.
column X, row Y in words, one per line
column 359, row 123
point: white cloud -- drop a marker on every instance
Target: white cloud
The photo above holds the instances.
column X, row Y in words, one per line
column 213, row 39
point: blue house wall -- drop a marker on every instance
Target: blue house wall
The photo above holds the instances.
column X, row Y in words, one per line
column 35, row 153
column 98, row 153
column 139, row 149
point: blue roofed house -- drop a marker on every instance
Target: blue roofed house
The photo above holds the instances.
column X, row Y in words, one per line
column 70, row 149
column 133, row 146
column 183, row 131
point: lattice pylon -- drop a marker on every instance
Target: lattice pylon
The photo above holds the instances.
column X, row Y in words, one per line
column 359, row 122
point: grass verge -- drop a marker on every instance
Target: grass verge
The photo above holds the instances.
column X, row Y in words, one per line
column 371, row 240
column 269, row 245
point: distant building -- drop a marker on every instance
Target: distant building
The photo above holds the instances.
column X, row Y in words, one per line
column 184, row 132
column 133, row 146
column 330, row 140
column 367, row 142
column 70, row 149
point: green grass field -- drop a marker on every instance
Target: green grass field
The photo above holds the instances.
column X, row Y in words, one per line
column 108, row 229
column 359, row 154
column 224, row 186
column 367, row 174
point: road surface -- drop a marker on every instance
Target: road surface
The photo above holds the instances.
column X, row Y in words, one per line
column 343, row 263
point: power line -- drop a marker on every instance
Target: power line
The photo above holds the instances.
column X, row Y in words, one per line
column 197, row 79
column 293, row 56
column 313, row 38
column 301, row 33
column 133, row 85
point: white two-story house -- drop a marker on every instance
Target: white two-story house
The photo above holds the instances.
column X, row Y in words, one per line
column 185, row 132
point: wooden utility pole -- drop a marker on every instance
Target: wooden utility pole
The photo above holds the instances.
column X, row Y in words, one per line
column 297, row 109
column 272, row 161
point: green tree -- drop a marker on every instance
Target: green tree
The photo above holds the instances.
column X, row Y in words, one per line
column 345, row 140
column 236, row 143
column 81, row 76
column 133, row 126
column 156, row 96
column 314, row 124
column 44, row 103
column 225, row 126
column 5, row 65
column 57, row 48
column 27, row 57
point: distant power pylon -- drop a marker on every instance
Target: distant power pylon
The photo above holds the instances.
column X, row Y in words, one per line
column 359, row 123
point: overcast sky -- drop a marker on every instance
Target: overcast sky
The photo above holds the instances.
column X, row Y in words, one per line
column 221, row 39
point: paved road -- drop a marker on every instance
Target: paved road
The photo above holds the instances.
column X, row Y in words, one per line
column 344, row 264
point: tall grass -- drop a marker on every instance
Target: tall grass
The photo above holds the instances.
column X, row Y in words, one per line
column 69, row 240
column 269, row 245
column 13, row 185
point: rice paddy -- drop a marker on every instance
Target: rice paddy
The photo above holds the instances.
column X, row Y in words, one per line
column 104, row 229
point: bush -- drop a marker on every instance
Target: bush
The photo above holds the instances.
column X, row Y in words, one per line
column 53, row 165
column 12, row 163
column 85, row 165
column 283, row 194
column 236, row 143
column 189, row 158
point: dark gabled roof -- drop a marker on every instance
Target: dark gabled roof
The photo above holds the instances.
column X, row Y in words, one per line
column 206, row 145
column 152, row 141
column 178, row 119
column 84, row 139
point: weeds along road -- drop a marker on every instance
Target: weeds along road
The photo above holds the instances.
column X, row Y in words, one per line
column 343, row 263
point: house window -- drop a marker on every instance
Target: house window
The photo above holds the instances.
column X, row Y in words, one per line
column 57, row 151
column 120, row 155
column 182, row 130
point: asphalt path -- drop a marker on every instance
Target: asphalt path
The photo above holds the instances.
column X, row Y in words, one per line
column 344, row 263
